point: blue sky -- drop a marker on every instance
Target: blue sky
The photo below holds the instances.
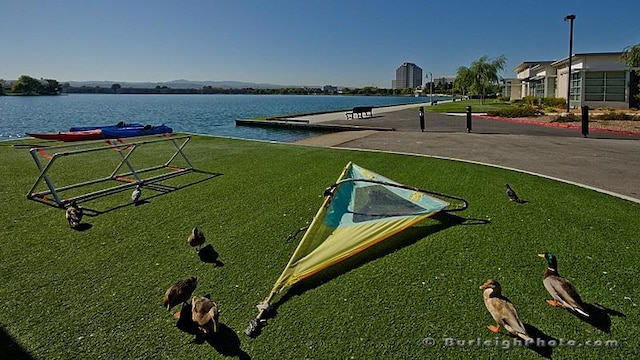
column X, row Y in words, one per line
column 295, row 42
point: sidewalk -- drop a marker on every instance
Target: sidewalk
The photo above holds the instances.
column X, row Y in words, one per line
column 606, row 162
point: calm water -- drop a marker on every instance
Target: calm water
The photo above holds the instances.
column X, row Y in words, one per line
column 205, row 114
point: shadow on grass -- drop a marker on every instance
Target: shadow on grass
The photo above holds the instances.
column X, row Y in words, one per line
column 159, row 189
column 10, row 349
column 599, row 316
column 542, row 341
column 210, row 256
column 405, row 238
column 225, row 341
column 83, row 227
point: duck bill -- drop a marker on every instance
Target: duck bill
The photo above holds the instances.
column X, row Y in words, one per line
column 541, row 255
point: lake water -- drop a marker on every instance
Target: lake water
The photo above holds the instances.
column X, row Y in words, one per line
column 204, row 114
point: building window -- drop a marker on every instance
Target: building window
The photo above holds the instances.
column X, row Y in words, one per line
column 575, row 86
column 551, row 86
column 538, row 88
column 605, row 86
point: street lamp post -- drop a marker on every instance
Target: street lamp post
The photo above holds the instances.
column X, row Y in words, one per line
column 431, row 89
column 570, row 17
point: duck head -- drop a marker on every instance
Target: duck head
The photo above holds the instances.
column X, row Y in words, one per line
column 552, row 262
column 492, row 284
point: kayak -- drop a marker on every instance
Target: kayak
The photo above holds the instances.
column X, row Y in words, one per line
column 95, row 134
column 121, row 124
column 124, row 132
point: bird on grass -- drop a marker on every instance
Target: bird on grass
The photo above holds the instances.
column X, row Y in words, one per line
column 502, row 310
column 74, row 214
column 196, row 239
column 563, row 292
column 135, row 195
column 512, row 195
column 205, row 313
column 180, row 292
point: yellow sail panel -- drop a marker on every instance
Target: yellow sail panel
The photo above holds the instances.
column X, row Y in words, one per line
column 343, row 243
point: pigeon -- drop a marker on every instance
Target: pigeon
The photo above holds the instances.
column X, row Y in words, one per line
column 196, row 239
column 135, row 195
column 74, row 214
column 512, row 195
column 180, row 292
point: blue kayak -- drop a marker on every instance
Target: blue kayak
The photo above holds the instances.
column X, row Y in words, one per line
column 121, row 124
column 124, row 132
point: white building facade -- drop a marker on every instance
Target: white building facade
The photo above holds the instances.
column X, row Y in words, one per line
column 597, row 80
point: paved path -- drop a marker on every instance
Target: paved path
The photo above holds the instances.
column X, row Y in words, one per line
column 606, row 162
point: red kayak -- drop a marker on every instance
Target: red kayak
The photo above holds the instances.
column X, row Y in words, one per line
column 69, row 135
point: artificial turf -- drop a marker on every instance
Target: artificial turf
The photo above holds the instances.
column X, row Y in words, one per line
column 97, row 293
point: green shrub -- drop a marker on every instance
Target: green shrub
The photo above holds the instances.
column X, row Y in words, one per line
column 567, row 118
column 614, row 115
column 516, row 111
column 554, row 102
column 530, row 100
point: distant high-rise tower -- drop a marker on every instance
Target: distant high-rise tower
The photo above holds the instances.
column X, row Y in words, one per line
column 407, row 75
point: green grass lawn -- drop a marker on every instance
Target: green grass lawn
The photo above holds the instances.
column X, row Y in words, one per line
column 98, row 293
column 476, row 106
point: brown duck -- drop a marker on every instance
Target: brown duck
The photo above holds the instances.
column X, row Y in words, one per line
column 502, row 310
column 204, row 313
column 196, row 239
column 563, row 292
column 180, row 292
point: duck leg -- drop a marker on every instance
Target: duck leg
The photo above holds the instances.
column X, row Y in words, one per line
column 554, row 303
column 494, row 328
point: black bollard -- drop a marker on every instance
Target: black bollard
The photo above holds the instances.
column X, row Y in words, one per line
column 421, row 114
column 468, row 108
column 585, row 121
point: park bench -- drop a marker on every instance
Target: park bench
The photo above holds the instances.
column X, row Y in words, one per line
column 360, row 111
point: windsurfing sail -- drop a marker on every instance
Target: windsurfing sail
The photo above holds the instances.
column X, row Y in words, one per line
column 360, row 210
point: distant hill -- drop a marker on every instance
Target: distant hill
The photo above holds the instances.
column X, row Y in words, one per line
column 186, row 84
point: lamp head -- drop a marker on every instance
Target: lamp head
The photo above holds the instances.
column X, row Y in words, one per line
column 569, row 17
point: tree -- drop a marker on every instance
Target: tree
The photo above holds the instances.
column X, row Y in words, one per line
column 485, row 73
column 631, row 56
column 50, row 87
column 1, row 86
column 464, row 80
column 481, row 76
column 27, row 85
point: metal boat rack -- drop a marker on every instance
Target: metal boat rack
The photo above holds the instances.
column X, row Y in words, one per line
column 125, row 173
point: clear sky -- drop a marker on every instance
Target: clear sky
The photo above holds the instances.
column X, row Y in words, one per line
column 296, row 42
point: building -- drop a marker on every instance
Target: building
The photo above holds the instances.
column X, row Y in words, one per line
column 598, row 80
column 330, row 88
column 408, row 75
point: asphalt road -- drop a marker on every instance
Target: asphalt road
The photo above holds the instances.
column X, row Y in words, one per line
column 606, row 162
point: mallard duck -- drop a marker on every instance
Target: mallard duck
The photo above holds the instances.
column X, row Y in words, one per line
column 502, row 310
column 204, row 313
column 563, row 292
column 512, row 194
column 196, row 239
column 74, row 214
column 135, row 195
column 180, row 292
